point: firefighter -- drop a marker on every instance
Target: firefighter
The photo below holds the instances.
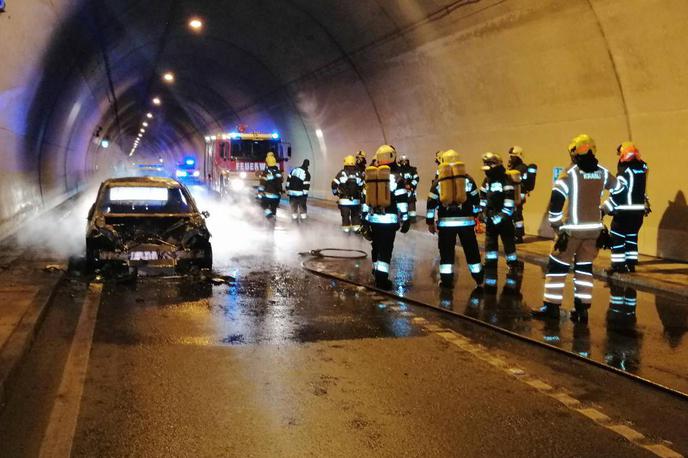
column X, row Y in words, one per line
column 528, row 174
column 411, row 179
column 451, row 212
column 497, row 202
column 347, row 185
column 386, row 211
column 270, row 187
column 628, row 207
column 578, row 228
column 361, row 162
column 298, row 185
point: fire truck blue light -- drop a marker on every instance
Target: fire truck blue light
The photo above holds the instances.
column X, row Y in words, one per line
column 190, row 161
column 275, row 135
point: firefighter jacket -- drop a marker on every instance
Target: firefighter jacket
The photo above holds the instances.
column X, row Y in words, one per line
column 397, row 212
column 497, row 194
column 298, row 182
column 270, row 186
column 454, row 215
column 633, row 179
column 582, row 190
column 410, row 175
column 348, row 186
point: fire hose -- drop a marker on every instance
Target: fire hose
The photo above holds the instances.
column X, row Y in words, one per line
column 335, row 253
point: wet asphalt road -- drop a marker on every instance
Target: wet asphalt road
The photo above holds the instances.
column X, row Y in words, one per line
column 284, row 363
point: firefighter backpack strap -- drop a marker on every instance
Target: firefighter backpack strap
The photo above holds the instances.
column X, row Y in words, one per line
column 384, row 197
column 459, row 181
column 371, row 186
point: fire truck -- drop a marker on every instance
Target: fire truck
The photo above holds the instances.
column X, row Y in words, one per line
column 233, row 161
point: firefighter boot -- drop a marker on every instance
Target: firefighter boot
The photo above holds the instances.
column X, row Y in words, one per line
column 382, row 281
column 548, row 311
column 579, row 314
column 515, row 267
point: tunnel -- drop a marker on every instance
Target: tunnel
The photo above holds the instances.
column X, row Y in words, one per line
column 336, row 77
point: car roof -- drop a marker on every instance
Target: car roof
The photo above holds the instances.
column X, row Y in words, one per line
column 143, row 181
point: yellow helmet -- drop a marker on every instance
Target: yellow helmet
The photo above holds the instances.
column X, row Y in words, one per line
column 627, row 151
column 491, row 160
column 386, row 154
column 270, row 160
column 349, row 161
column 360, row 153
column 450, row 156
column 516, row 151
column 582, row 144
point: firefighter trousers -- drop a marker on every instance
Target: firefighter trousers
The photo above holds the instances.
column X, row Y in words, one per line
column 412, row 208
column 519, row 225
column 580, row 252
column 446, row 241
column 493, row 232
column 624, row 233
column 382, row 247
column 269, row 207
column 298, row 207
column 351, row 217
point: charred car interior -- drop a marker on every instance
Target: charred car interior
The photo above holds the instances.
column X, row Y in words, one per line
column 147, row 222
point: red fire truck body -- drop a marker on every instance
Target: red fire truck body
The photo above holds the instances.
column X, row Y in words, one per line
column 233, row 161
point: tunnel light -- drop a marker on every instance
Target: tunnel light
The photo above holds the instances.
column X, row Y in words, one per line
column 145, row 124
column 275, row 135
column 142, row 130
column 168, row 77
column 105, row 143
column 196, row 24
column 157, row 101
column 149, row 115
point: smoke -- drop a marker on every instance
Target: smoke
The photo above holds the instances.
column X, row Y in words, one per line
column 61, row 232
column 240, row 233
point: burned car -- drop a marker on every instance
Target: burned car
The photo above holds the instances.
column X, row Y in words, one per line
column 147, row 221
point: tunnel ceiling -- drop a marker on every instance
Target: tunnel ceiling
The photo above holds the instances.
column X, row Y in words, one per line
column 242, row 60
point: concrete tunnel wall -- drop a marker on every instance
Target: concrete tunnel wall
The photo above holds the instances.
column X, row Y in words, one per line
column 334, row 77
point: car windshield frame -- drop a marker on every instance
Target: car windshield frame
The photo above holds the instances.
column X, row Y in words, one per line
column 187, row 206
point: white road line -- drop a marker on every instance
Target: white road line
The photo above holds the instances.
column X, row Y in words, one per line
column 630, row 434
column 58, row 437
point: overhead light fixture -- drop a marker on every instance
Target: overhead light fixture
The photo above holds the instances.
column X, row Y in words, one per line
column 105, row 143
column 168, row 77
column 157, row 101
column 142, row 130
column 196, row 24
column 145, row 124
column 149, row 116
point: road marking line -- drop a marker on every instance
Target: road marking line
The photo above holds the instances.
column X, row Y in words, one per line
column 59, row 435
column 629, row 433
column 662, row 451
column 539, row 385
column 595, row 415
column 572, row 403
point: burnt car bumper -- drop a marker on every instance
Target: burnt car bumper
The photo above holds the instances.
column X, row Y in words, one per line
column 151, row 256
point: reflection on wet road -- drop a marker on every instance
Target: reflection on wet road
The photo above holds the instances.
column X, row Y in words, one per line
column 638, row 332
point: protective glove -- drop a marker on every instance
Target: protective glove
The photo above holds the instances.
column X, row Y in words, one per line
column 405, row 226
column 496, row 219
column 432, row 228
column 562, row 242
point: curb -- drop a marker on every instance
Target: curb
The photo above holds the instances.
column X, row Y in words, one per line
column 23, row 336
